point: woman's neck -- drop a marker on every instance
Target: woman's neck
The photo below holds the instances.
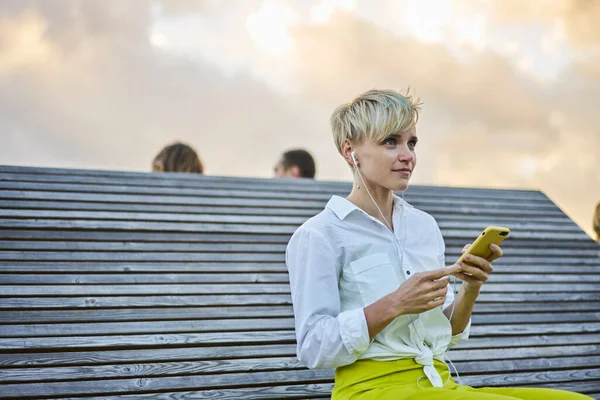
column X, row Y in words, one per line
column 384, row 198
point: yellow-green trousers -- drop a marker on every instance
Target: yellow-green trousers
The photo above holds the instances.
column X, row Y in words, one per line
column 397, row 380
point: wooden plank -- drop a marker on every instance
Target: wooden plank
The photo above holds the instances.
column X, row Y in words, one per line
column 148, row 247
column 463, row 357
column 144, row 314
column 173, row 289
column 58, row 302
column 550, row 346
column 141, row 385
column 141, row 369
column 147, row 327
column 18, row 202
column 473, row 228
column 134, row 278
column 443, row 212
column 177, row 180
column 502, row 271
column 270, row 322
column 312, row 390
column 457, row 240
column 252, row 191
column 513, row 333
column 149, row 257
column 541, row 317
column 509, row 366
column 256, row 217
column 579, row 387
column 539, row 287
column 185, row 180
column 230, row 277
column 30, row 207
column 129, row 246
column 220, row 257
column 171, row 267
column 225, row 288
column 274, row 310
column 129, row 321
column 136, row 341
column 541, row 339
column 124, row 198
column 155, row 354
column 16, row 375
column 146, row 216
column 170, row 237
column 528, row 378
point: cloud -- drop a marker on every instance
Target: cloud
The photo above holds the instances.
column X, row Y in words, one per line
column 81, row 85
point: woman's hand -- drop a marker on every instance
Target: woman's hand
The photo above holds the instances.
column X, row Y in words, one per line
column 422, row 291
column 474, row 271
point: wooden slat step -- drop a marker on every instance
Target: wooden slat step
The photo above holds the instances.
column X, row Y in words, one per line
column 488, row 310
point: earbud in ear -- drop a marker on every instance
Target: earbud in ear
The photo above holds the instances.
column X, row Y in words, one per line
column 353, row 158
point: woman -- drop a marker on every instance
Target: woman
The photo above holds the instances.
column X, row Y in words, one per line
column 369, row 284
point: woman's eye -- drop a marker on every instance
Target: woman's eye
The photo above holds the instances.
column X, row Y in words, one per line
column 390, row 141
column 412, row 143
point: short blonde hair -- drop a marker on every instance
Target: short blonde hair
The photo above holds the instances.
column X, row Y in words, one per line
column 376, row 115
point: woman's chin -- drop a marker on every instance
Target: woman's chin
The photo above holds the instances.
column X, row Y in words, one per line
column 399, row 186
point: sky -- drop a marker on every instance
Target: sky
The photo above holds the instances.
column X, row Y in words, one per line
column 510, row 88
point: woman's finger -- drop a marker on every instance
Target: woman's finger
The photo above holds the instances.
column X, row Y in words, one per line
column 436, row 303
column 478, row 262
column 464, row 249
column 475, row 273
column 437, row 293
column 496, row 252
column 466, row 278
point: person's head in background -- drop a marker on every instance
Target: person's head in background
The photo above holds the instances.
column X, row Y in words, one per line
column 596, row 222
column 296, row 164
column 177, row 157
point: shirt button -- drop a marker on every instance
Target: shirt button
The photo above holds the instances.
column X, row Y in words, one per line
column 407, row 272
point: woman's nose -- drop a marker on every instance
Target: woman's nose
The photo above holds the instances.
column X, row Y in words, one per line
column 406, row 154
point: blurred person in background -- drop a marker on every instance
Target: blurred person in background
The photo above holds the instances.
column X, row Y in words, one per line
column 596, row 222
column 177, row 157
column 296, row 163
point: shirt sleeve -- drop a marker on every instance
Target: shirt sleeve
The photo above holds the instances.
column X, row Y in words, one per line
column 326, row 337
column 464, row 335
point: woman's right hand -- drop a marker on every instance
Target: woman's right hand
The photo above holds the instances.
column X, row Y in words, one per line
column 422, row 291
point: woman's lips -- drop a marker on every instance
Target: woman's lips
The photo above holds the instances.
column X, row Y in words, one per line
column 403, row 171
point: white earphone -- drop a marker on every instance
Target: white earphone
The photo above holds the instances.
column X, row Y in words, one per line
column 353, row 158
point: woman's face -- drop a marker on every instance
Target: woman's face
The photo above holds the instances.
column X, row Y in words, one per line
column 390, row 163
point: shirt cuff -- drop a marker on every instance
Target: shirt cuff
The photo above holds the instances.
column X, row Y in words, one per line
column 354, row 331
column 464, row 335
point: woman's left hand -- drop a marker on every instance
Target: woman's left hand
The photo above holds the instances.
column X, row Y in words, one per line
column 474, row 271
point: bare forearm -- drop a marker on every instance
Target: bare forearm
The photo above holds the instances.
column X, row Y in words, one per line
column 465, row 300
column 380, row 314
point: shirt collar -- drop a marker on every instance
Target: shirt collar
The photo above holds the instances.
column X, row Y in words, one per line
column 342, row 207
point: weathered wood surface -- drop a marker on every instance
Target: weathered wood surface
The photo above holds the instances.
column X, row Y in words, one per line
column 118, row 285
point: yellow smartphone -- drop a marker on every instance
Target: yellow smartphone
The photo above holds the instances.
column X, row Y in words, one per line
column 481, row 246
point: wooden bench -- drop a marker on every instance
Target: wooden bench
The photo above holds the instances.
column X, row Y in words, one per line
column 119, row 285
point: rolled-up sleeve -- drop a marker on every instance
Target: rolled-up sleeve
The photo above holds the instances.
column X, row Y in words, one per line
column 464, row 335
column 326, row 337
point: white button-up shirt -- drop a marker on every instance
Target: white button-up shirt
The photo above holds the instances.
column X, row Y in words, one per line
column 342, row 260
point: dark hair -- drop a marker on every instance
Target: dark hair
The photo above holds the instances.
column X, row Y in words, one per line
column 177, row 157
column 301, row 159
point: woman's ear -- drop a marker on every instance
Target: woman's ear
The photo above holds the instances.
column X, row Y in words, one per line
column 347, row 152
